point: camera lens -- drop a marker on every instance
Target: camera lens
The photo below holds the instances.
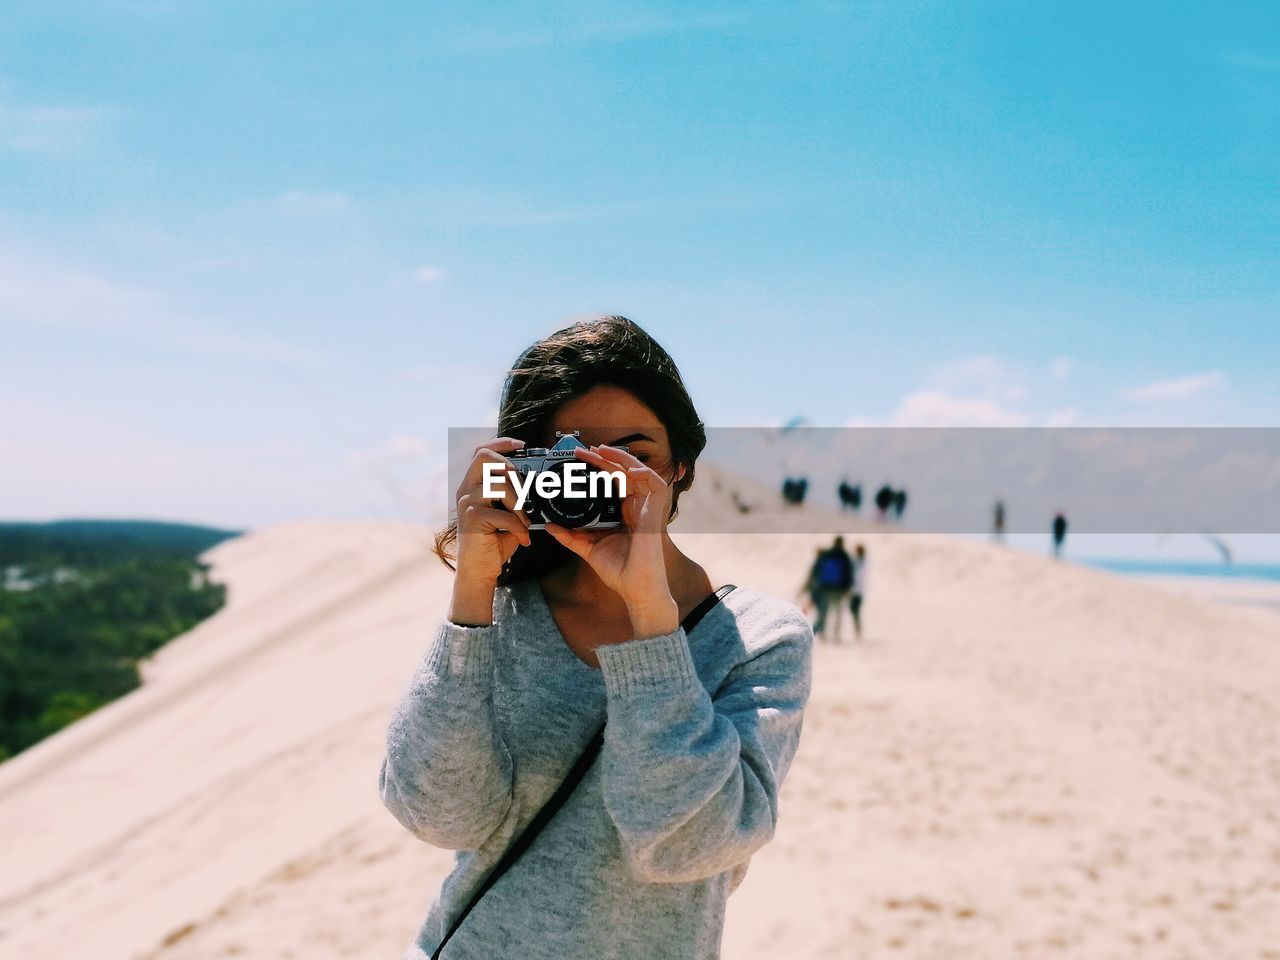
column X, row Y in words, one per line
column 569, row 511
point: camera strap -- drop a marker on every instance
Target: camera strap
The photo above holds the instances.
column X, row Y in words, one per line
column 567, row 786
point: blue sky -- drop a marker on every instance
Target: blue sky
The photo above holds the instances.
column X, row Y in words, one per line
column 256, row 257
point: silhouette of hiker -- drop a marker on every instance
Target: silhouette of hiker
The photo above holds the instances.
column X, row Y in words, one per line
column 884, row 500
column 850, row 496
column 845, row 493
column 794, row 489
column 859, row 588
column 1059, row 533
column 899, row 503
column 997, row 523
column 829, row 581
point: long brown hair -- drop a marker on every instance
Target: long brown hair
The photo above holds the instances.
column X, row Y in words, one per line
column 612, row 351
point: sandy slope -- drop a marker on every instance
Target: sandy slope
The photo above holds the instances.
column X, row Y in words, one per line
column 1025, row 759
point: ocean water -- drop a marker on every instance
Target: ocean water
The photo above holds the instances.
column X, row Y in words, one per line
column 1175, row 568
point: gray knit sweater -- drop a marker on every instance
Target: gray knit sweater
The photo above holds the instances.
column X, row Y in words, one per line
column 638, row 863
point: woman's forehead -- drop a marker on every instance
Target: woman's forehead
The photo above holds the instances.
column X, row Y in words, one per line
column 613, row 434
column 609, row 415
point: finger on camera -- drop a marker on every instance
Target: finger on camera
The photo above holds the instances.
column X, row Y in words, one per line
column 505, row 504
column 576, row 540
column 474, row 478
column 500, row 445
column 478, row 518
column 490, row 452
column 643, row 480
column 623, row 458
column 620, row 461
column 596, row 460
column 475, row 469
column 475, row 493
column 476, row 510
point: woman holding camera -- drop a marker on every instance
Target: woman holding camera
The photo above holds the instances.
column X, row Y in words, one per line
column 696, row 696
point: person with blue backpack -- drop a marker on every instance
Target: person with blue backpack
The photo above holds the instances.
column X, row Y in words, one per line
column 830, row 580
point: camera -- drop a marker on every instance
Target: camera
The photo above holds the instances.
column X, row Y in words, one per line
column 580, row 497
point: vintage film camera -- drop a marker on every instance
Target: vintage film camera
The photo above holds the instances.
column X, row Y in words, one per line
column 589, row 512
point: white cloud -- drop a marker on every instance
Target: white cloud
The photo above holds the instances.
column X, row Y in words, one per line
column 1060, row 367
column 429, row 274
column 48, row 129
column 933, row 408
column 310, row 202
column 1178, row 388
column 974, row 391
column 982, row 376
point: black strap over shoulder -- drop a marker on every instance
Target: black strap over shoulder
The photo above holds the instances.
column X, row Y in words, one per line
column 702, row 609
column 567, row 786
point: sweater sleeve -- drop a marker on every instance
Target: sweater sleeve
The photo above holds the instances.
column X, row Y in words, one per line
column 447, row 775
column 691, row 781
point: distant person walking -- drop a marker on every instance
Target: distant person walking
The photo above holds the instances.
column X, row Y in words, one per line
column 884, row 500
column 859, row 588
column 829, row 582
column 997, row 523
column 794, row 489
column 1059, row 533
column 850, row 496
column 899, row 503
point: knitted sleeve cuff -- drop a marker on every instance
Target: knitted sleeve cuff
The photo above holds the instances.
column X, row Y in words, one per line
column 462, row 652
column 633, row 666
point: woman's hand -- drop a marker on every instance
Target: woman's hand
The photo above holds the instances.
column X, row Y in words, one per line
column 629, row 559
column 487, row 535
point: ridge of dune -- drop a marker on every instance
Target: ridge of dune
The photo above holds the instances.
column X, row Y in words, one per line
column 1025, row 758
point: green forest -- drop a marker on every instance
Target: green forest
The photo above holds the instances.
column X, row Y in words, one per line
column 81, row 602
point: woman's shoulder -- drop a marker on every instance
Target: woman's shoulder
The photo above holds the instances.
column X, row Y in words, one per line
column 750, row 605
column 763, row 620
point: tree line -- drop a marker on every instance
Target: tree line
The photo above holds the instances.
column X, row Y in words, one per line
column 81, row 603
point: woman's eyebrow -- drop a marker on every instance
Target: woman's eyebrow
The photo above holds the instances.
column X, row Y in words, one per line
column 630, row 438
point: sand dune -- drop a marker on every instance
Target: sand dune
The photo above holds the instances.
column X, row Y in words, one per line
column 1024, row 759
